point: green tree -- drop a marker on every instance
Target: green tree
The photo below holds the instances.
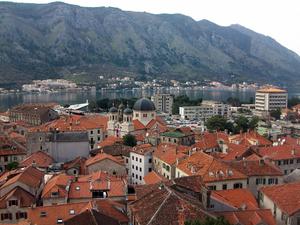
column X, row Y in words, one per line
column 216, row 123
column 293, row 101
column 12, row 165
column 129, row 140
column 253, row 122
column 208, row 221
column 276, row 114
column 242, row 123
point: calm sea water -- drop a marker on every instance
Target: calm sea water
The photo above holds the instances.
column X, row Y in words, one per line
column 10, row 100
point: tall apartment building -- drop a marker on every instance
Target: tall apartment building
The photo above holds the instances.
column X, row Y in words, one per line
column 163, row 102
column 270, row 98
column 204, row 111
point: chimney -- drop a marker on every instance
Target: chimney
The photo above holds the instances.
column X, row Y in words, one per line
column 261, row 162
column 293, row 152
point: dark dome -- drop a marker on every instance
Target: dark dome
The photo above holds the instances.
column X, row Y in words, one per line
column 113, row 110
column 144, row 104
column 127, row 111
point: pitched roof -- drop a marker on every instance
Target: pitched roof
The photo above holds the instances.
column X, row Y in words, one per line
column 40, row 159
column 207, row 140
column 143, row 149
column 74, row 123
column 250, row 138
column 78, row 162
column 285, row 196
column 234, row 151
column 249, row 217
column 49, row 215
column 29, row 176
column 100, row 157
column 153, row 178
column 57, row 184
column 110, row 140
column 170, row 153
column 25, row 198
column 280, row 152
column 91, row 217
column 209, row 168
column 157, row 207
column 237, row 198
column 256, row 168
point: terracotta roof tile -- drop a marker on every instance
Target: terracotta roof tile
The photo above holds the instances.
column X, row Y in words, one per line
column 153, row 178
column 249, row 217
column 280, row 152
column 100, row 157
column 256, row 168
column 285, row 196
column 39, row 158
column 209, row 168
column 57, row 184
column 237, row 198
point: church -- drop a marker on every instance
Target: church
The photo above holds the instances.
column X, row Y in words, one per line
column 139, row 120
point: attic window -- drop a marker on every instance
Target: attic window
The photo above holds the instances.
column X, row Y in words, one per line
column 59, row 221
column 77, row 188
column 72, row 212
column 43, row 214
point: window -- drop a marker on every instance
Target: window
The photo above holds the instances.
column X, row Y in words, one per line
column 54, row 194
column 132, row 174
column 136, row 167
column 72, row 212
column 140, row 160
column 150, row 160
column 137, row 115
column 140, row 169
column 5, row 158
column 212, row 187
column 99, row 138
column 144, row 115
column 224, row 186
column 13, row 202
column 279, row 163
column 149, row 170
column 291, row 161
column 6, row 216
column 126, row 160
column 136, row 176
column 132, row 166
column 272, row 181
column 238, row 185
column 59, row 221
column 260, row 181
column 132, row 157
column 140, row 177
column 91, row 132
column 136, row 159
column 167, row 168
column 285, row 162
column 21, row 215
column 98, row 131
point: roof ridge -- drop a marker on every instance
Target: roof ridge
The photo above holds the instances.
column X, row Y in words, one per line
column 164, row 201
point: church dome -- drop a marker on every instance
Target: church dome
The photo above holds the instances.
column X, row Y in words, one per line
column 113, row 110
column 127, row 111
column 144, row 104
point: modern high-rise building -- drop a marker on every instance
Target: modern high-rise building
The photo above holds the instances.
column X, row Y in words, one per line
column 163, row 102
column 270, row 98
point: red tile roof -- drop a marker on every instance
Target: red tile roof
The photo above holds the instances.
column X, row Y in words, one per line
column 78, row 162
column 256, row 168
column 280, row 152
column 249, row 217
column 143, row 149
column 100, row 157
column 170, row 153
column 40, row 159
column 234, row 151
column 209, row 168
column 58, row 184
column 153, row 178
column 29, row 176
column 285, row 196
column 55, row 212
column 250, row 138
column 110, row 140
column 74, row 123
column 237, row 198
column 25, row 198
column 207, row 140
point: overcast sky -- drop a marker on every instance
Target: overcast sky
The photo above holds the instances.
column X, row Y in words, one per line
column 279, row 19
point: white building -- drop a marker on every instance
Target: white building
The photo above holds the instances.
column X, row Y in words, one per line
column 204, row 111
column 121, row 122
column 140, row 163
column 163, row 102
column 269, row 99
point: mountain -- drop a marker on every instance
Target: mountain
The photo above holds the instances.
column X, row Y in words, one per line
column 40, row 41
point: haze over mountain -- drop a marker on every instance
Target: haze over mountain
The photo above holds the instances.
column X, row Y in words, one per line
column 40, row 41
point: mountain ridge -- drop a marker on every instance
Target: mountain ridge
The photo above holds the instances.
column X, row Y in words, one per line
column 39, row 41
